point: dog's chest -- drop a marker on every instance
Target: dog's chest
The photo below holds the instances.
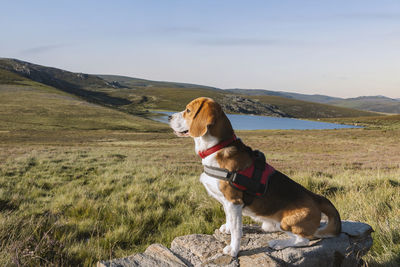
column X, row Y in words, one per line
column 212, row 186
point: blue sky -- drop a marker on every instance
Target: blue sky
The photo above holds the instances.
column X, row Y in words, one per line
column 338, row 48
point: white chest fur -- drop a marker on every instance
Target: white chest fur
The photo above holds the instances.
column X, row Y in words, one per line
column 212, row 184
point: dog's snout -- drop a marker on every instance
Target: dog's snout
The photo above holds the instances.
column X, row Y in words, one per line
column 169, row 118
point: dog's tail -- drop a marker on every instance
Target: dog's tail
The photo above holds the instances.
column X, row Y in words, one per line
column 334, row 225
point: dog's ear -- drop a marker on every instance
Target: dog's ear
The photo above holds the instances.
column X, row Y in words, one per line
column 205, row 117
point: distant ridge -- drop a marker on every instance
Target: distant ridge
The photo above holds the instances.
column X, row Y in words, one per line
column 79, row 84
column 138, row 96
column 130, row 81
column 377, row 103
column 312, row 98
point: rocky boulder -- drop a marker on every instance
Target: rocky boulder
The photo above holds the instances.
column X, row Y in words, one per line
column 206, row 250
column 242, row 105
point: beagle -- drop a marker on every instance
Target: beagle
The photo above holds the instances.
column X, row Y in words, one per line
column 284, row 206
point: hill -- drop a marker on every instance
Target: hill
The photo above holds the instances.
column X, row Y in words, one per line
column 89, row 87
column 138, row 96
column 371, row 103
column 28, row 106
column 129, row 82
column 310, row 98
column 367, row 103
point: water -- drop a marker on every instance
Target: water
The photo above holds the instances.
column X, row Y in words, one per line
column 252, row 122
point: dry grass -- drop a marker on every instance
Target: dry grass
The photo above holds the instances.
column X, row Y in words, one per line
column 71, row 201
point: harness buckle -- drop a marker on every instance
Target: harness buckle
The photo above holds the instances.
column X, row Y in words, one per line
column 232, row 177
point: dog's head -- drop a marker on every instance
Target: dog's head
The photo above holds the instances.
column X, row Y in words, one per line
column 202, row 116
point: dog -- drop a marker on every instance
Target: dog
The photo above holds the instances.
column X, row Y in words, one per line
column 281, row 205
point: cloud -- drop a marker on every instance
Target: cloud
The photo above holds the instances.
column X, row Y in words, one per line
column 41, row 49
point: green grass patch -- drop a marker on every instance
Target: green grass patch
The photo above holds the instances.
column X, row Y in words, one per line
column 76, row 201
column 35, row 107
column 386, row 122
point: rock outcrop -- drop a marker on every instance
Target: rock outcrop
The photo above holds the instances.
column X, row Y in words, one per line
column 206, row 250
column 243, row 105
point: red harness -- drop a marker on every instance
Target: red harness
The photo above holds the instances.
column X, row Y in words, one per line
column 252, row 180
column 249, row 173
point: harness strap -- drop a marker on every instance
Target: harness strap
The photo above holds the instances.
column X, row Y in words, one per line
column 219, row 173
column 252, row 180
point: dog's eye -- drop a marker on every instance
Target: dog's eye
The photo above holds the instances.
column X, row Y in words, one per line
column 187, row 110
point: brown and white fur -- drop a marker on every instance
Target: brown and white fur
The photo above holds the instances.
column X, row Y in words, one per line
column 286, row 206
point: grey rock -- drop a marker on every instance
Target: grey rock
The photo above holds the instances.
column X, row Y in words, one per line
column 206, row 250
column 201, row 250
column 242, row 105
column 155, row 255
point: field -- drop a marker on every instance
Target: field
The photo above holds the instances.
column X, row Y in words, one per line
column 77, row 200
column 81, row 182
column 388, row 122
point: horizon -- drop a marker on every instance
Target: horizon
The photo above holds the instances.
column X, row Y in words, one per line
column 205, row 85
column 337, row 49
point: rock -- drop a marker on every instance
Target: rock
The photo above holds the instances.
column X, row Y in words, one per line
column 206, row 250
column 201, row 249
column 242, row 105
column 155, row 255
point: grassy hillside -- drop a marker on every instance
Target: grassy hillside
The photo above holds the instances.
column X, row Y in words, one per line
column 36, row 107
column 366, row 103
column 52, row 76
column 304, row 97
column 388, row 122
column 168, row 96
column 311, row 109
column 130, row 82
column 372, row 103
column 137, row 96
column 87, row 87
column 8, row 77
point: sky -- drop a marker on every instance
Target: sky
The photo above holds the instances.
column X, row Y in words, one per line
column 338, row 48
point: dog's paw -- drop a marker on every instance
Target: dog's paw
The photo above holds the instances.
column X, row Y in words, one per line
column 228, row 250
column 225, row 229
column 269, row 227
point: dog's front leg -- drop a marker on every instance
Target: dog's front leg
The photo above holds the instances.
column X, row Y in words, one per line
column 226, row 228
column 234, row 216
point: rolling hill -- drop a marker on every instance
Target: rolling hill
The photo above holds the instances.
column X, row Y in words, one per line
column 139, row 96
column 369, row 103
column 310, row 98
column 28, row 106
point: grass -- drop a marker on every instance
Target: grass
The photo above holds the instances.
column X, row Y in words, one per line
column 305, row 109
column 8, row 77
column 81, row 183
column 386, row 122
column 378, row 104
column 36, row 107
column 111, row 195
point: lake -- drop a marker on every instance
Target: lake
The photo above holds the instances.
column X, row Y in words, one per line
column 252, row 122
